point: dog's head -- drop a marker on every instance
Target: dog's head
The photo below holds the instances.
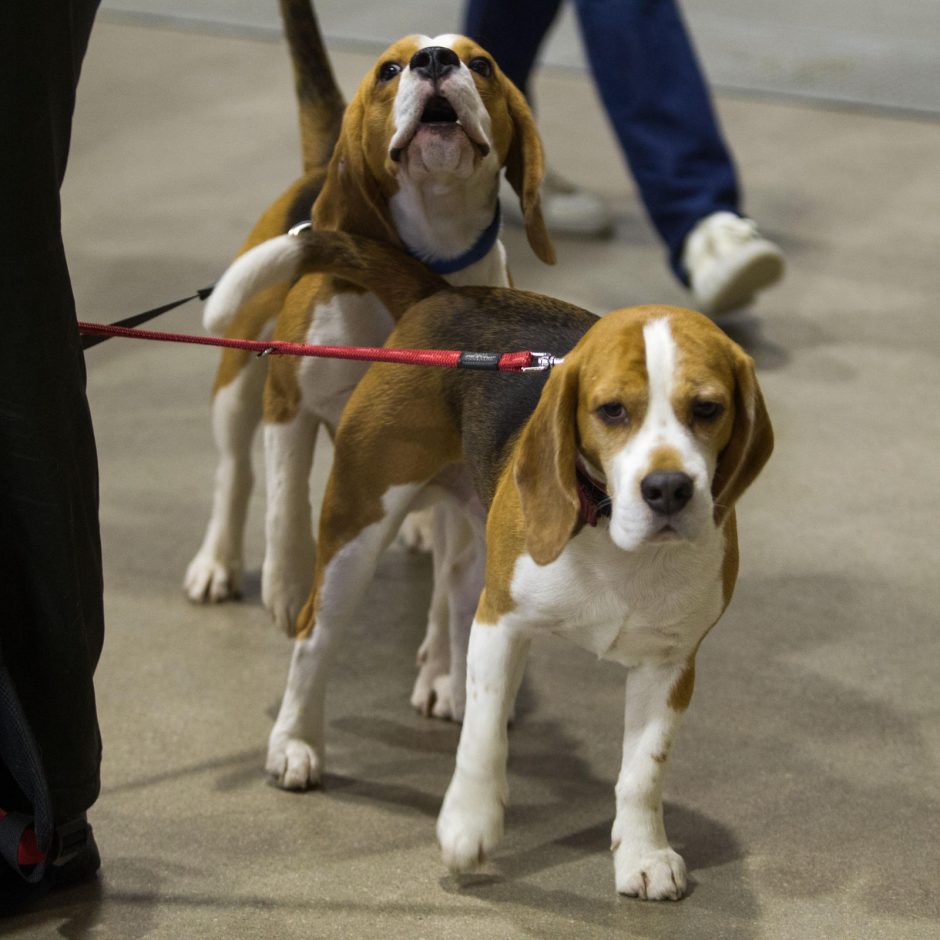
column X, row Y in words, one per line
column 665, row 409
column 434, row 110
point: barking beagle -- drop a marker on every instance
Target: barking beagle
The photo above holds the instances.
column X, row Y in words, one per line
column 416, row 165
column 606, row 493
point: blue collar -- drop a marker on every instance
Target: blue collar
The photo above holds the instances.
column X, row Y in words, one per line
column 473, row 254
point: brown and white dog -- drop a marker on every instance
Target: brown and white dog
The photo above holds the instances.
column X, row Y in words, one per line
column 607, row 494
column 417, row 165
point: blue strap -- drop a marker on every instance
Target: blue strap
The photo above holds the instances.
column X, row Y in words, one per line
column 473, row 254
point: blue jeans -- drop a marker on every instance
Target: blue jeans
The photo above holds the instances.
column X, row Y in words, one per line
column 654, row 93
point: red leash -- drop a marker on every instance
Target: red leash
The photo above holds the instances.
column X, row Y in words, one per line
column 523, row 361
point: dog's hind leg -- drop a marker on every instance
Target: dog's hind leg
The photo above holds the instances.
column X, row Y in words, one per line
column 394, row 438
column 458, row 580
column 296, row 744
column 215, row 572
column 289, row 545
column 434, row 653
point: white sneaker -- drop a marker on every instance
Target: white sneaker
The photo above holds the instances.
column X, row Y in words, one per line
column 567, row 209
column 728, row 261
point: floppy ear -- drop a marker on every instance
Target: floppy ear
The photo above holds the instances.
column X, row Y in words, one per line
column 525, row 167
column 351, row 200
column 544, row 468
column 751, row 443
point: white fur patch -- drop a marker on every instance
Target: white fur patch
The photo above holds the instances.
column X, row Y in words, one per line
column 447, row 189
column 632, row 520
column 272, row 262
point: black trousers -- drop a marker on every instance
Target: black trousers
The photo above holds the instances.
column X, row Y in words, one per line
column 51, row 616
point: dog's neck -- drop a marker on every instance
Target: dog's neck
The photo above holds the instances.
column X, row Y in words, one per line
column 439, row 219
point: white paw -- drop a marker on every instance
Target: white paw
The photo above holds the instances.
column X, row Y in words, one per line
column 471, row 823
column 443, row 706
column 430, row 668
column 416, row 531
column 283, row 595
column 212, row 579
column 293, row 763
column 649, row 874
column 422, row 695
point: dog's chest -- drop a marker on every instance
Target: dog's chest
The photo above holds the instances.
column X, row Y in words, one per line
column 657, row 602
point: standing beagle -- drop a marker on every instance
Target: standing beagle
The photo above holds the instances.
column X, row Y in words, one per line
column 416, row 165
column 606, row 492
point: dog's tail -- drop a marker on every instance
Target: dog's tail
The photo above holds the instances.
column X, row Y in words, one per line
column 397, row 279
column 274, row 261
column 319, row 99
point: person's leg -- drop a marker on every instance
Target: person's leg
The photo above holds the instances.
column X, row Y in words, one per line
column 512, row 31
column 51, row 592
column 655, row 96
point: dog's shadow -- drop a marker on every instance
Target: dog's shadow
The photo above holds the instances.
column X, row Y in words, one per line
column 544, row 756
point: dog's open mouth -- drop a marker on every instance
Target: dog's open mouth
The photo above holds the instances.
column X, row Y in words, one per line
column 439, row 110
column 438, row 116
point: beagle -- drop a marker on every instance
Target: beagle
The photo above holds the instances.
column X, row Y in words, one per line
column 606, row 494
column 416, row 164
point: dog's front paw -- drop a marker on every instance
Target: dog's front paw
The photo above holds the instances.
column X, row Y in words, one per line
column 651, row 874
column 283, row 596
column 432, row 664
column 209, row 578
column 470, row 824
column 293, row 764
column 443, row 706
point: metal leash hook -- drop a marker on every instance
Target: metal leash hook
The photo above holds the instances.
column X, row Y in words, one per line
column 543, row 362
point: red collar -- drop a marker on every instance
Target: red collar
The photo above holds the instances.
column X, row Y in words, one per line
column 592, row 494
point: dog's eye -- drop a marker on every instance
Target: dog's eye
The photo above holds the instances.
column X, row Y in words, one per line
column 706, row 410
column 481, row 66
column 613, row 412
column 388, row 70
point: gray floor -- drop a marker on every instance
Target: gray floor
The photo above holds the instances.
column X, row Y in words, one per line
column 850, row 51
column 804, row 787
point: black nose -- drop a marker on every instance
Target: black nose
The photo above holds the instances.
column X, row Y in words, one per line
column 434, row 62
column 666, row 492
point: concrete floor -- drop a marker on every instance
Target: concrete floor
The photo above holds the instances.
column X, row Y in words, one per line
column 804, row 787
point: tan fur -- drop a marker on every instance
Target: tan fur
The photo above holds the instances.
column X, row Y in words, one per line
column 424, row 442
column 540, row 512
column 664, row 458
column 681, row 693
column 505, row 542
